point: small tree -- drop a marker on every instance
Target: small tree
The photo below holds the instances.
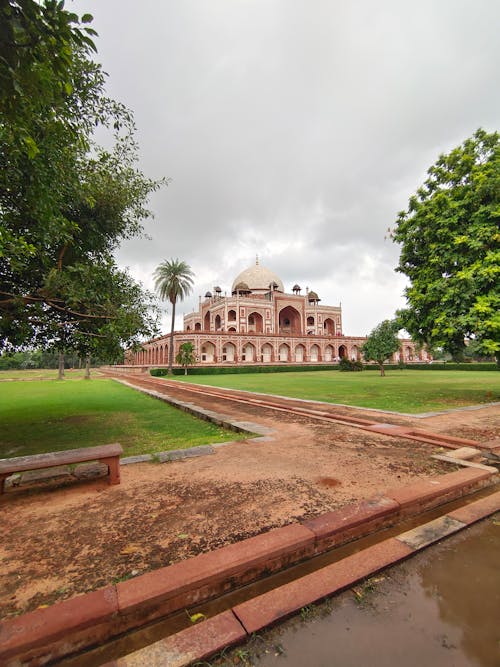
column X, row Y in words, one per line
column 381, row 343
column 186, row 356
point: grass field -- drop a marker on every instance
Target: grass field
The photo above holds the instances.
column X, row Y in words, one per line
column 45, row 374
column 409, row 391
column 49, row 416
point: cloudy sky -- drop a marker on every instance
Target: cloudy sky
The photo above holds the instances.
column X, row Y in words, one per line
column 295, row 130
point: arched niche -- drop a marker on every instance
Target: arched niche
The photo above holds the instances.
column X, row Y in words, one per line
column 289, row 321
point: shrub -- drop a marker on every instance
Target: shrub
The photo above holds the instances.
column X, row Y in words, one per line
column 346, row 364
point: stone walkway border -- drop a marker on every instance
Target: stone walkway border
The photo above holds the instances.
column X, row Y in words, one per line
column 91, row 619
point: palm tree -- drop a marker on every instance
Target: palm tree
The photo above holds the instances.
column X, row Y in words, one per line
column 173, row 280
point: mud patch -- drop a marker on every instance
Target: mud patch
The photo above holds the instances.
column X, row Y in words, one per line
column 328, row 481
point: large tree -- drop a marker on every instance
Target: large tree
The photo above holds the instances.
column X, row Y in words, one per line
column 174, row 281
column 382, row 343
column 450, row 250
column 65, row 203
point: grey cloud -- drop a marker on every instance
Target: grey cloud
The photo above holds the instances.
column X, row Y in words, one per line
column 296, row 130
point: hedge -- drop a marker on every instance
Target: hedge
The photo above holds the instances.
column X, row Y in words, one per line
column 436, row 366
column 228, row 370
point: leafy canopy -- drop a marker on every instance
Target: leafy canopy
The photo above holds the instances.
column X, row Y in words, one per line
column 382, row 343
column 65, row 202
column 450, row 250
column 186, row 355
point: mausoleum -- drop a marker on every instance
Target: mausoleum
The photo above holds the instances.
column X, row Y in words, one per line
column 260, row 323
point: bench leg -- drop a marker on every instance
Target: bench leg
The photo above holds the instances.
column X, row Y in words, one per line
column 2, row 482
column 113, row 464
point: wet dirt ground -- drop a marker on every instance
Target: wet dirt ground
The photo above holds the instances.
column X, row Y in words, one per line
column 439, row 608
column 61, row 539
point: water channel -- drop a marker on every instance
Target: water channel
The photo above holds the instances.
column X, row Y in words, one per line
column 439, row 608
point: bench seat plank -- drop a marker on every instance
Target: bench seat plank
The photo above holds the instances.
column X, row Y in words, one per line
column 109, row 454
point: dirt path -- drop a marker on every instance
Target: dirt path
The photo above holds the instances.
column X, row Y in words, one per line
column 60, row 540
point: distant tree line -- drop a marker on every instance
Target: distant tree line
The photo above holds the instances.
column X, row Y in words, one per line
column 42, row 359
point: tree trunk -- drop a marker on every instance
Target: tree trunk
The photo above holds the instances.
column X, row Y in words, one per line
column 171, row 348
column 382, row 371
column 185, row 370
column 60, row 375
column 87, row 368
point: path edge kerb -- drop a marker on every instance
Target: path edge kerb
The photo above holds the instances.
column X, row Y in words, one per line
column 89, row 619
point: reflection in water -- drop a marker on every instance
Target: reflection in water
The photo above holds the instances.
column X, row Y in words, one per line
column 465, row 582
column 441, row 608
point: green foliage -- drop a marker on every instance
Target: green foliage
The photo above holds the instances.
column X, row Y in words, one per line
column 65, row 203
column 450, row 250
column 41, row 359
column 174, row 281
column 348, row 365
column 238, row 370
column 382, row 343
column 186, row 356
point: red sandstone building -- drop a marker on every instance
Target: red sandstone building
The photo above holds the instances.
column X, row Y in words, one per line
column 262, row 324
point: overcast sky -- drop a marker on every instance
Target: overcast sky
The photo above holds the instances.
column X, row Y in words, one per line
column 295, row 130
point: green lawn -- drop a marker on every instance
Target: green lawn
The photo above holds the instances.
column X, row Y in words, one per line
column 49, row 416
column 403, row 391
column 45, row 374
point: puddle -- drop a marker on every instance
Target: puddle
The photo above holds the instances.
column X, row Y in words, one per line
column 440, row 608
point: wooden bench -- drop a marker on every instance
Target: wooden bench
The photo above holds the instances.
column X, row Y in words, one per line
column 108, row 454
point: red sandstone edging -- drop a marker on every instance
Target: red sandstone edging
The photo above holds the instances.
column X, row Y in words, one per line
column 352, row 521
column 281, row 602
column 189, row 582
column 47, row 627
column 434, row 491
column 92, row 618
column 276, row 605
column 195, row 643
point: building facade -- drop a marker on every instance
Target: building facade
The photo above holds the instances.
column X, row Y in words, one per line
column 261, row 323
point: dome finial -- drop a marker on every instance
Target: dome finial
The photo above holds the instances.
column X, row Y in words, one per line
column 256, row 260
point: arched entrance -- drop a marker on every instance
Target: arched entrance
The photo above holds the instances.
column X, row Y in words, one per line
column 248, row 352
column 197, row 326
column 289, row 321
column 328, row 353
column 329, row 327
column 342, row 351
column 229, row 352
column 299, row 353
column 267, row 353
column 206, row 322
column 355, row 355
column 284, row 352
column 217, row 322
column 255, row 323
column 208, row 352
column 314, row 353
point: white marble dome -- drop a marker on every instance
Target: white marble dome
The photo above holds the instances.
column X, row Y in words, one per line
column 258, row 279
